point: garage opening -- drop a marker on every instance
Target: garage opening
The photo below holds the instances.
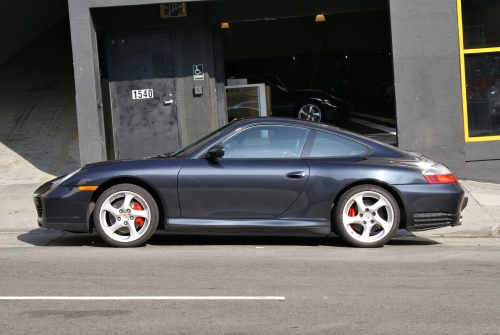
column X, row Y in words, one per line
column 335, row 68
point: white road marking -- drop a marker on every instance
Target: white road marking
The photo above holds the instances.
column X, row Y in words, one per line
column 145, row 298
column 389, row 130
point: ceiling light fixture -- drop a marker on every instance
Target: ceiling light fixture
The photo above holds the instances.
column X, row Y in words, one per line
column 224, row 25
column 320, row 18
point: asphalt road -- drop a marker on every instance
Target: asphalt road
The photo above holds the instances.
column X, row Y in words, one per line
column 411, row 286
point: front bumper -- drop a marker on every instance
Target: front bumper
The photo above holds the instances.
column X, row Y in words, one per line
column 338, row 113
column 62, row 208
column 432, row 206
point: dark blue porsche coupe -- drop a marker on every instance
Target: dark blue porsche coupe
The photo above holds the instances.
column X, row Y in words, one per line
column 271, row 175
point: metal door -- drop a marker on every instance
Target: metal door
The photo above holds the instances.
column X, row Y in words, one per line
column 142, row 89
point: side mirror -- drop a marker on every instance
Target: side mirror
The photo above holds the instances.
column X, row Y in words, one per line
column 217, row 151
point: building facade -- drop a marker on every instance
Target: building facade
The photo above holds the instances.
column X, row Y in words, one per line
column 151, row 77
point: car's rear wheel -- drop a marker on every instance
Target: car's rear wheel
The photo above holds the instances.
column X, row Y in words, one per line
column 310, row 111
column 126, row 215
column 366, row 216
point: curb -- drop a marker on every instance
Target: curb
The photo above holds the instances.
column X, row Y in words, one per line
column 491, row 231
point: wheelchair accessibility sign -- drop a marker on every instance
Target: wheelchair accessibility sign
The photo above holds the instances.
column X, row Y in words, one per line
column 198, row 72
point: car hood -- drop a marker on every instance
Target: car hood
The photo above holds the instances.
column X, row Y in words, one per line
column 119, row 161
column 312, row 93
column 98, row 173
column 125, row 160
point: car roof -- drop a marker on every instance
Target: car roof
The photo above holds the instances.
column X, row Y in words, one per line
column 284, row 121
column 312, row 125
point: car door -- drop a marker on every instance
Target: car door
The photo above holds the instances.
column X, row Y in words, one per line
column 281, row 102
column 259, row 177
column 334, row 163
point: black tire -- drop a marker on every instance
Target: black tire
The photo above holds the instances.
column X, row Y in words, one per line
column 350, row 221
column 310, row 110
column 113, row 222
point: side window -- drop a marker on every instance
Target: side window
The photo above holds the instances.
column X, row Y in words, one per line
column 328, row 145
column 266, row 142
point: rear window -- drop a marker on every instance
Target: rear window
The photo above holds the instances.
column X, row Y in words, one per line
column 322, row 144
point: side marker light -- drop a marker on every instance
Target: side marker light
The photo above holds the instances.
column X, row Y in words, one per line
column 87, row 188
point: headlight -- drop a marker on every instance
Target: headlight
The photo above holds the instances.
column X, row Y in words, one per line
column 335, row 98
column 63, row 178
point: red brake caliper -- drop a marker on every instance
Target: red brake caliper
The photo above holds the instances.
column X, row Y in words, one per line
column 137, row 207
column 352, row 213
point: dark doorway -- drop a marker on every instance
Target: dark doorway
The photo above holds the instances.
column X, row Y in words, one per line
column 142, row 87
column 302, row 52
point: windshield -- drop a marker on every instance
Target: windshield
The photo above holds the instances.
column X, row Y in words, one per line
column 274, row 79
column 201, row 142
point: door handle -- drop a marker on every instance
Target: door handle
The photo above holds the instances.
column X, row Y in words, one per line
column 168, row 102
column 296, row 175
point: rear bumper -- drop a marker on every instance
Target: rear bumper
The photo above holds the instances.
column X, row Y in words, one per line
column 432, row 206
column 62, row 208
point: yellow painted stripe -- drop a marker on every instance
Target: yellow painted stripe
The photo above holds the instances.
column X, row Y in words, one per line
column 481, row 50
column 462, row 70
column 463, row 52
column 483, row 138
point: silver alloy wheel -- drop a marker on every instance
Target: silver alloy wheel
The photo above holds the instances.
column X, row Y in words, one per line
column 368, row 216
column 120, row 221
column 309, row 112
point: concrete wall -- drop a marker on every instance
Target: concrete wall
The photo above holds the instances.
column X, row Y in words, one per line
column 482, row 159
column 428, row 89
column 23, row 21
column 193, row 44
column 426, row 70
column 194, row 39
column 427, row 80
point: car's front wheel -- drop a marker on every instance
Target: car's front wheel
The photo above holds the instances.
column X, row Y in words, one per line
column 366, row 216
column 310, row 111
column 126, row 215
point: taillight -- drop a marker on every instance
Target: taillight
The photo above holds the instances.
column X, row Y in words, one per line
column 439, row 174
column 441, row 179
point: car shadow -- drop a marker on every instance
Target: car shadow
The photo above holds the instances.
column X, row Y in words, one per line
column 168, row 239
column 48, row 238
column 42, row 237
column 402, row 241
column 271, row 240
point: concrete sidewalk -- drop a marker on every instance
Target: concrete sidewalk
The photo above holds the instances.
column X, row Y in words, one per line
column 481, row 218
